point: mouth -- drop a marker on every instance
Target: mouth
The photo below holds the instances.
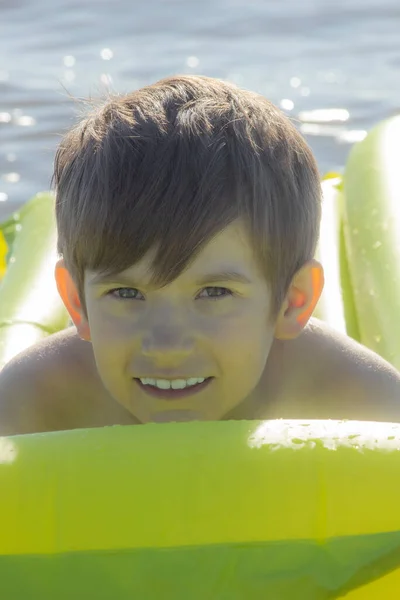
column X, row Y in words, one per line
column 173, row 389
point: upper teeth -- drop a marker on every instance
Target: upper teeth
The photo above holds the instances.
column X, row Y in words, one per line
column 175, row 384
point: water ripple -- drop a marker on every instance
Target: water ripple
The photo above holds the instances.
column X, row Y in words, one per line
column 332, row 65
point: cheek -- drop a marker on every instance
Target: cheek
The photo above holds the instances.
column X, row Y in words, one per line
column 110, row 329
column 112, row 344
column 243, row 341
column 243, row 351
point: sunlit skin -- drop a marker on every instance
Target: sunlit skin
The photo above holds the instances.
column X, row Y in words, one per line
column 212, row 322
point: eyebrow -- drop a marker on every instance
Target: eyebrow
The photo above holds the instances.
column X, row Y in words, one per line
column 101, row 279
column 224, row 276
column 220, row 277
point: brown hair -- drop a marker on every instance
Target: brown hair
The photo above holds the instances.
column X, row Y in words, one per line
column 169, row 166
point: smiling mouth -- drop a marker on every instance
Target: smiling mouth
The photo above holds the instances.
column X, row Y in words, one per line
column 182, row 388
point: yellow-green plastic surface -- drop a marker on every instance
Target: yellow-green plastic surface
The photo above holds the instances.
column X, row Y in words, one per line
column 371, row 227
column 279, row 509
column 30, row 307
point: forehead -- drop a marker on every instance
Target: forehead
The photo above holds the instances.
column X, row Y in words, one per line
column 230, row 249
column 231, row 243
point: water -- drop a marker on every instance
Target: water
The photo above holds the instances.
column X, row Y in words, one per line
column 305, row 56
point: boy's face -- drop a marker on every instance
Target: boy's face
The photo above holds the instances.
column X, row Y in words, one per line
column 194, row 349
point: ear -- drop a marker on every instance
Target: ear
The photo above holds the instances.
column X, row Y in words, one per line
column 69, row 295
column 301, row 300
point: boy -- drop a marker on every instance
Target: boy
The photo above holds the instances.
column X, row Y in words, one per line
column 188, row 215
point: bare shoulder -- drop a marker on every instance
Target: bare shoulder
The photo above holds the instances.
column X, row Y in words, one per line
column 339, row 378
column 32, row 383
column 60, row 346
column 51, row 385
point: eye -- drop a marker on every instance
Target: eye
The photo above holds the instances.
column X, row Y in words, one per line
column 125, row 293
column 214, row 292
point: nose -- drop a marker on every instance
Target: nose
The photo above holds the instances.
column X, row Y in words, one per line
column 167, row 344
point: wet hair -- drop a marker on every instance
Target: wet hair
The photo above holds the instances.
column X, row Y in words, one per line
column 167, row 167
